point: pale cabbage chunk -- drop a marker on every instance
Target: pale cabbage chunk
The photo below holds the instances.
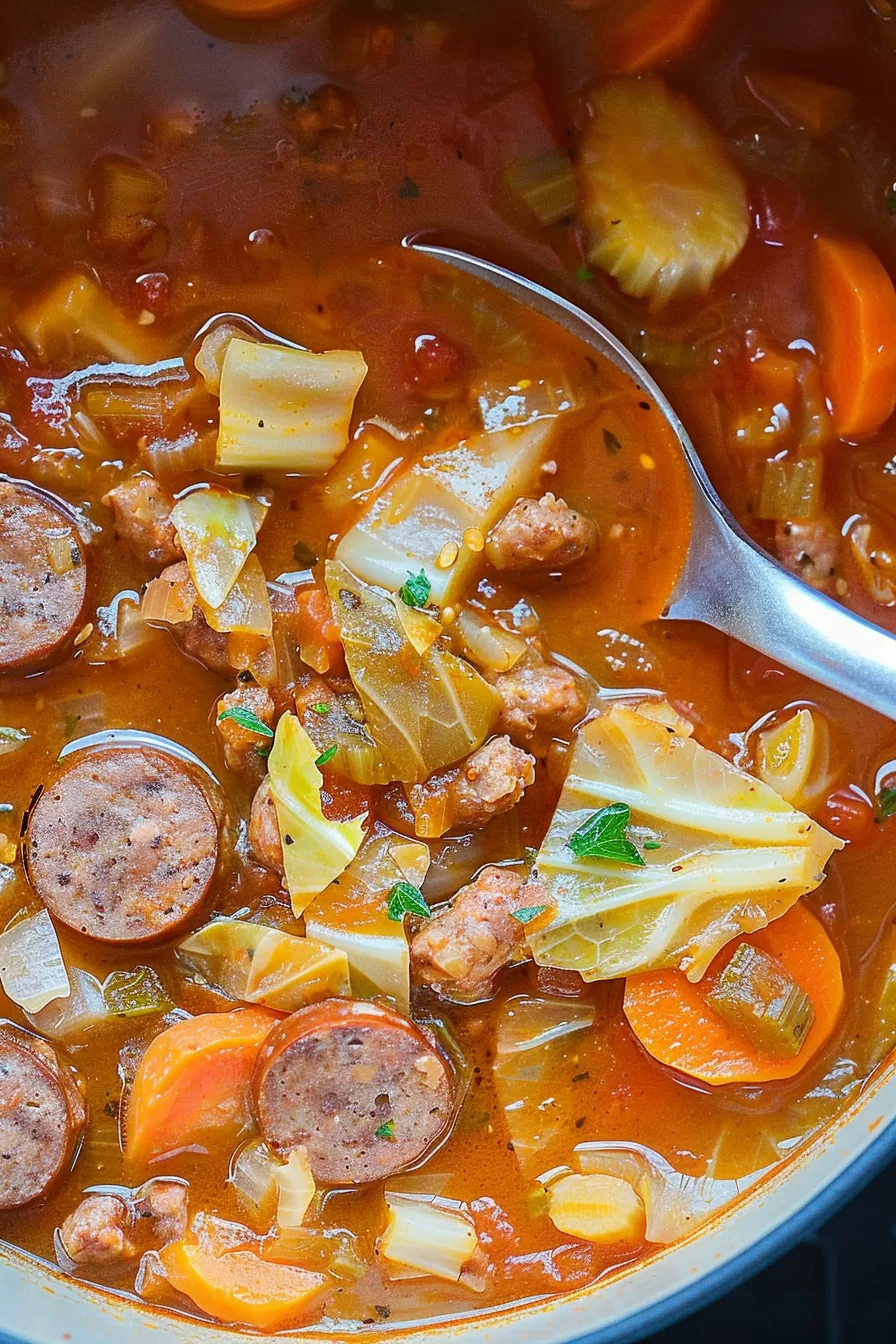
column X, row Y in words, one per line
column 427, row 509
column 424, row 707
column 725, row 855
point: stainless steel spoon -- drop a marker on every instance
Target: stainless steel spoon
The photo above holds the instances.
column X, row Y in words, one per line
column 728, row 581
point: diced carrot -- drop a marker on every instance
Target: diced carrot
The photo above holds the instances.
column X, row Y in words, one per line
column 675, row 1024
column 192, row 1080
column 318, row 631
column 805, row 103
column 644, row 34
column 856, row 304
column 254, row 9
column 232, row 1283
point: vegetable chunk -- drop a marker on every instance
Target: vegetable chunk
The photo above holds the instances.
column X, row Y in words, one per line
column 284, row 409
column 708, row 853
column 665, row 210
column 602, row 1209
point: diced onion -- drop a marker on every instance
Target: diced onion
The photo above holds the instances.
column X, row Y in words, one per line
column 485, row 643
column 793, row 758
column 68, row 1019
column 296, row 1189
column 217, row 530
column 423, row 1236
column 32, row 970
column 284, row 409
column 209, row 358
column 253, row 1175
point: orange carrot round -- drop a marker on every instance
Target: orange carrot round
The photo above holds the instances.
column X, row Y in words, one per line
column 856, row 304
column 254, row 9
column 676, row 1025
column 193, row 1079
column 645, row 34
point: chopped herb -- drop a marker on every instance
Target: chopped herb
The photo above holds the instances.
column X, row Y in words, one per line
column 386, row 1130
column 603, row 836
column 326, row 756
column 581, row 1077
column 303, row 555
column 408, row 190
column 584, row 273
column 322, row 708
column 887, row 803
column 528, row 913
column 406, row 899
column 263, row 752
column 530, row 854
column 611, row 443
column 415, row 592
column 246, row 719
column 891, row 202
column 652, row 844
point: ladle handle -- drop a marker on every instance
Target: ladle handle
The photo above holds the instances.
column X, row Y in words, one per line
column 732, row 585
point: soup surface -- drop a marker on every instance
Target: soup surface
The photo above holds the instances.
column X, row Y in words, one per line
column 401, row 920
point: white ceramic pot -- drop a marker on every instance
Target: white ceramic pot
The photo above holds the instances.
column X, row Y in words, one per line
column 41, row 1306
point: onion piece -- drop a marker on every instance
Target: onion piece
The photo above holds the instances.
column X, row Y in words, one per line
column 485, row 643
column 217, row 530
column 246, row 610
column 296, row 1189
column 209, row 358
column 32, row 970
column 68, row 1019
column 168, row 601
column 253, row 1175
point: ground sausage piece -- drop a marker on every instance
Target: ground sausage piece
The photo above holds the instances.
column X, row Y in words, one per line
column 491, row 781
column 264, row 829
column 141, row 509
column 334, row 1073
column 461, row 950
column 810, row 550
column 243, row 745
column 43, row 578
column 123, row 846
column 538, row 699
column 539, row 532
column 42, row 1117
column 106, row 1229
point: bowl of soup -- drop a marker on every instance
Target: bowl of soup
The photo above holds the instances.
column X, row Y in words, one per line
column 404, row 928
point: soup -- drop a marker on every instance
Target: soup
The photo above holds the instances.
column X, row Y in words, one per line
column 400, row 919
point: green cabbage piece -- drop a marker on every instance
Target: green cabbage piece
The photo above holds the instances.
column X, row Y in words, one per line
column 723, row 854
column 424, row 707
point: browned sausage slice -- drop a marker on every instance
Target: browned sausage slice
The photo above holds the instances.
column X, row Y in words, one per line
column 43, row 577
column 42, row 1117
column 123, row 846
column 362, row 1088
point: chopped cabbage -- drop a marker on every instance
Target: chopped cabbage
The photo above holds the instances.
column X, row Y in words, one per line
column 284, row 409
column 427, row 1237
column 32, row 970
column 246, row 610
column 262, row 965
column 217, row 530
column 724, row 856
column 315, row 849
column 296, row 1189
column 430, row 506
column 534, row 1039
column 352, row 915
column 424, row 710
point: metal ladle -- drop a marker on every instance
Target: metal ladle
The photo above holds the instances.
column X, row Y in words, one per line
column 728, row 582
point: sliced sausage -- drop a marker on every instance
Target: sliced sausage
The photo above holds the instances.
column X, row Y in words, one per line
column 123, row 845
column 42, row 1117
column 43, row 577
column 362, row 1088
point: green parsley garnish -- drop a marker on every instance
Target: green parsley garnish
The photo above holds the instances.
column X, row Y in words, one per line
column 304, row 556
column 386, row 1130
column 584, row 273
column 406, row 899
column 321, row 708
column 603, row 836
column 408, row 190
column 246, row 719
column 652, row 844
column 326, row 756
column 415, row 593
column 887, row 803
column 528, row 913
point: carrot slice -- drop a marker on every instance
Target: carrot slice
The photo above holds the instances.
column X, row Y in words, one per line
column 193, row 1079
column 318, row 631
column 674, row 1023
column 856, row 304
column 254, row 9
column 797, row 101
column 645, row 34
column 232, row 1283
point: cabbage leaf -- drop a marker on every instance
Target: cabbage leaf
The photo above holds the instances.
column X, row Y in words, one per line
column 315, row 849
column 257, row 964
column 432, row 504
column 217, row 529
column 424, row 710
column 723, row 854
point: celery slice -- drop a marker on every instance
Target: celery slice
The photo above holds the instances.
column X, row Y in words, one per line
column 545, row 185
column 757, row 996
column 790, row 489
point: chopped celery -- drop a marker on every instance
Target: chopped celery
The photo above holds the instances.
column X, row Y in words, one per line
column 135, row 993
column 790, row 489
column 424, row 710
column 284, row 409
column 423, row 1236
column 545, row 185
column 419, row 520
column 757, row 996
column 732, row 854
